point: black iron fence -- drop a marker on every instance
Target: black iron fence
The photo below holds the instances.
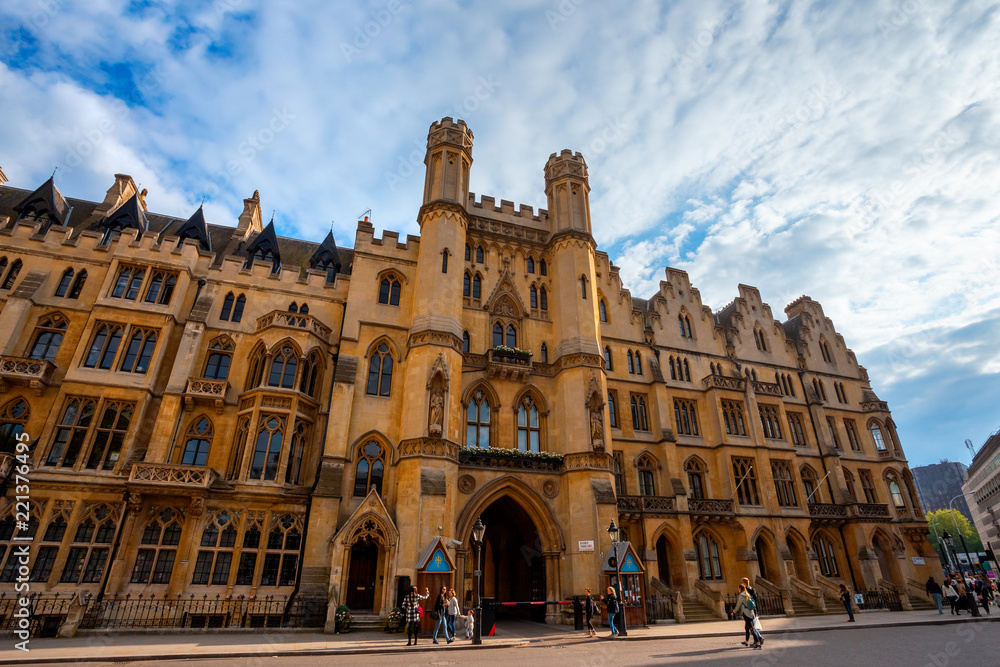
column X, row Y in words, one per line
column 659, row 608
column 152, row 612
column 45, row 613
column 879, row 598
column 768, row 604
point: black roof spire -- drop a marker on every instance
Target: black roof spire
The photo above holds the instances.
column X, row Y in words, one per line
column 265, row 247
column 326, row 258
column 196, row 228
column 46, row 203
column 128, row 215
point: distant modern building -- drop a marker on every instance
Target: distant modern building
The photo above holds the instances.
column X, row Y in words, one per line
column 938, row 483
column 983, row 486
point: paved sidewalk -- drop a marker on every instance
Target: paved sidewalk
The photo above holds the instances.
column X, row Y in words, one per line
column 120, row 647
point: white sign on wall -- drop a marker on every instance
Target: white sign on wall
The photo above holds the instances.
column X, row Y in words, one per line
column 586, row 545
column 917, row 560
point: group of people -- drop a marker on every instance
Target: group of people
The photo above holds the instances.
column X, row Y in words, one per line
column 446, row 610
column 962, row 592
column 590, row 609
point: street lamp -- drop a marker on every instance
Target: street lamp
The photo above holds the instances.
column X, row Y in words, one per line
column 478, row 531
column 947, row 539
column 951, row 507
column 946, row 561
column 613, row 533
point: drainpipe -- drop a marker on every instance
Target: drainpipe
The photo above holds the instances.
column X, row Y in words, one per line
column 829, row 484
column 319, row 464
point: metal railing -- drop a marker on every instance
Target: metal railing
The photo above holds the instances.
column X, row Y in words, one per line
column 880, row 598
column 659, row 608
column 152, row 612
column 767, row 605
column 46, row 613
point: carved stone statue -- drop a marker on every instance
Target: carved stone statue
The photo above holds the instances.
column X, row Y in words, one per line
column 595, row 406
column 597, row 429
column 436, row 414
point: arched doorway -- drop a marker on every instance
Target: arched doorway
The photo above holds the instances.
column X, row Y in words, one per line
column 766, row 559
column 663, row 560
column 800, row 558
column 513, row 564
column 883, row 553
column 362, row 575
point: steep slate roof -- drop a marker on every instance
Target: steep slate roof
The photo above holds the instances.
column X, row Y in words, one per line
column 128, row 215
column 45, row 202
column 265, row 243
column 326, row 256
column 221, row 238
column 196, row 228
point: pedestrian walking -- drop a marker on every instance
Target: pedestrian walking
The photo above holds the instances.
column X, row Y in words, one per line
column 983, row 593
column 753, row 596
column 439, row 614
column 934, row 590
column 963, row 600
column 589, row 608
column 611, row 604
column 951, row 595
column 845, row 597
column 746, row 606
column 470, row 624
column 411, row 613
column 970, row 598
column 453, row 610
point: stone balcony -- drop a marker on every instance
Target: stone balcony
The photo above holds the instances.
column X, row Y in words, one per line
column 827, row 512
column 295, row 321
column 508, row 459
column 766, row 388
column 833, row 513
column 710, row 509
column 875, row 406
column 504, row 365
column 869, row 511
column 170, row 476
column 201, row 390
column 34, row 373
column 646, row 505
column 723, row 382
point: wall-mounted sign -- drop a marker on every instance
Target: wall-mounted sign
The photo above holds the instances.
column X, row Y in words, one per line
column 586, row 545
column 859, row 599
column 917, row 560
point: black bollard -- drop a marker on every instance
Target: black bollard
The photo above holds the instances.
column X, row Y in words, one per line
column 577, row 613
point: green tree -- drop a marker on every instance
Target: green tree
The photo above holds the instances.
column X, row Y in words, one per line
column 943, row 520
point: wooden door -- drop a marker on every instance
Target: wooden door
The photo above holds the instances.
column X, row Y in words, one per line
column 361, row 580
column 433, row 581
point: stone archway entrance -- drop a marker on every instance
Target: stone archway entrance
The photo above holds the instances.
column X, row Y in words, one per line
column 513, row 563
column 663, row 560
column 362, row 575
column 883, row 553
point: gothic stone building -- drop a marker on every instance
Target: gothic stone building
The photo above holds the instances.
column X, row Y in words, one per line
column 216, row 410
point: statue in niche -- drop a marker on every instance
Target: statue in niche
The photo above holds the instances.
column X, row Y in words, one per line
column 595, row 407
column 436, row 420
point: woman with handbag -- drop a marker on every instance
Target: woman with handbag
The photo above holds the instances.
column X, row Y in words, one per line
column 439, row 614
column 845, row 597
column 412, row 613
column 746, row 606
column 611, row 604
column 951, row 595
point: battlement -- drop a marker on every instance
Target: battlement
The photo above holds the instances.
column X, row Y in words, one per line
column 449, row 131
column 365, row 239
column 566, row 163
column 506, row 207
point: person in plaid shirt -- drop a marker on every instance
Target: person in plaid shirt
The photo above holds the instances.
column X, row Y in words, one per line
column 411, row 613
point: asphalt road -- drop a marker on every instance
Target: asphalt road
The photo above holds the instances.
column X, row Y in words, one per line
column 968, row 645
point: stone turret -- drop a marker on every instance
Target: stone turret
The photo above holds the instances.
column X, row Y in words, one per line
column 567, row 189
column 448, row 160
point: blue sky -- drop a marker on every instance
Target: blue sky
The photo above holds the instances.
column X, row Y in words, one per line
column 848, row 150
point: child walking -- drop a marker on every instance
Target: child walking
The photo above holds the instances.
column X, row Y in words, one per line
column 470, row 624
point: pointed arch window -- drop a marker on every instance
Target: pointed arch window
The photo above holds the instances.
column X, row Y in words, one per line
column 87, row 557
column 227, row 307
column 647, row 483
column 467, row 284
column 241, row 302
column 685, row 416
column 852, row 492
column 784, row 483
column 48, row 337
column 220, row 357
column 293, row 307
column 154, row 561
column 894, row 491
column 631, row 363
column 827, row 558
column 369, row 470
column 638, row 364
column 15, row 269
column 684, row 322
column 104, row 346
column 533, row 296
column 695, row 470
column 543, row 298
column 825, row 351
column 809, row 485
column 444, row 261
column 709, row 565
column 78, row 284
column 607, row 358
column 310, row 376
column 612, row 409
column 477, row 421
column 528, row 428
column 583, row 287
column 673, row 369
column 603, row 310
column 215, row 558
column 480, row 255
column 877, row 437
column 71, row 432
column 380, row 372
column 497, row 334
column 639, row 419
column 758, row 337
column 530, row 262
column 281, row 561
column 477, row 286
column 304, row 310
column 468, row 253
column 543, row 268
column 293, row 468
column 161, row 287
column 389, row 289
column 110, row 436
column 258, row 363
column 64, row 283
column 867, row 486
column 267, row 448
column 284, row 365
column 545, row 353
column 511, row 336
column 198, row 444
column 139, row 352
column 687, row 371
column 13, row 419
column 465, row 341
column 732, row 417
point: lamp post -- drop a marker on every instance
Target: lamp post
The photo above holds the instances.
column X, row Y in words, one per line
column 613, row 533
column 946, row 560
column 478, row 531
column 951, row 507
column 946, row 538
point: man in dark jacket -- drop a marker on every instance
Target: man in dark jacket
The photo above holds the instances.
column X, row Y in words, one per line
column 983, row 593
column 934, row 590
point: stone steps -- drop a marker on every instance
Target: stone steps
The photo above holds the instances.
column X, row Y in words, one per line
column 696, row 612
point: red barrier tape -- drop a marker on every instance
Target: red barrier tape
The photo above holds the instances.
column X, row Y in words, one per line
column 506, row 604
